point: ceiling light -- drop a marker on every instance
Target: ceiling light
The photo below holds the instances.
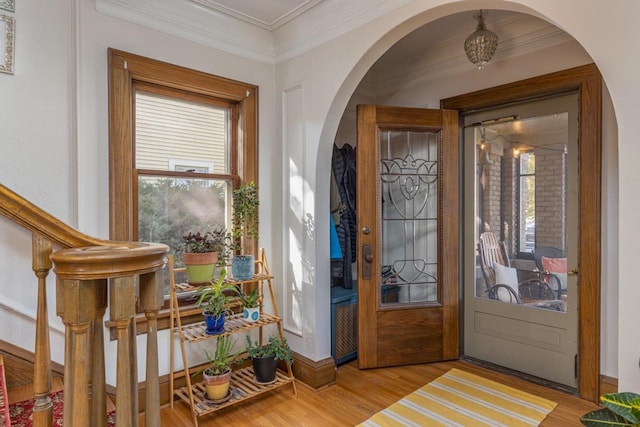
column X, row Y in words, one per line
column 482, row 44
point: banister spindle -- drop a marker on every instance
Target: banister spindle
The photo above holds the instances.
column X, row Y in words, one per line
column 151, row 300
column 122, row 307
column 41, row 264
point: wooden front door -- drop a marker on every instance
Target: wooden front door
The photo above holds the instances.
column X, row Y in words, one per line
column 408, row 222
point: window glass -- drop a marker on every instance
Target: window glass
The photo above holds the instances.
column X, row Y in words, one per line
column 174, row 139
column 170, row 207
column 527, row 208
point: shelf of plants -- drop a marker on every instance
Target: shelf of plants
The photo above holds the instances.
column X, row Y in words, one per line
column 232, row 325
column 243, row 387
column 243, row 384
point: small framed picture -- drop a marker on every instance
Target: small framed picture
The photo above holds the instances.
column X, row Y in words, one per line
column 7, row 32
column 8, row 5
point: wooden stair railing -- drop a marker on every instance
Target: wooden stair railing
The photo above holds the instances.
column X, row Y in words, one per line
column 89, row 273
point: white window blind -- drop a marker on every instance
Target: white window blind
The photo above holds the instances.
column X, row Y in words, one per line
column 171, row 128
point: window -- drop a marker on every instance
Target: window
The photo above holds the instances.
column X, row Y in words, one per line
column 174, row 140
column 179, row 141
column 526, row 202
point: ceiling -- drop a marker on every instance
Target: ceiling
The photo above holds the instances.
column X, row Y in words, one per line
column 268, row 14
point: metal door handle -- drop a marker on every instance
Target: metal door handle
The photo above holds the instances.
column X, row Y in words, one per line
column 367, row 258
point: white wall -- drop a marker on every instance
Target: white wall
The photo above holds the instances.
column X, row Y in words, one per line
column 331, row 72
column 55, row 139
column 59, row 90
column 37, row 155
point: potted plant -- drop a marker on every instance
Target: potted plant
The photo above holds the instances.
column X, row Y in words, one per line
column 214, row 301
column 264, row 358
column 621, row 409
column 244, row 224
column 217, row 375
column 251, row 305
column 201, row 253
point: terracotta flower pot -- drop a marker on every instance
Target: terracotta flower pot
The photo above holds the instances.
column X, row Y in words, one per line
column 217, row 385
column 200, row 266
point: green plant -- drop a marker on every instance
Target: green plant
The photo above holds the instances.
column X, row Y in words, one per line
column 250, row 300
column 222, row 359
column 245, row 219
column 274, row 347
column 217, row 240
column 215, row 298
column 621, row 409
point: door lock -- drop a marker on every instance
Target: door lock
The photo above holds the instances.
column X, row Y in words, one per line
column 367, row 258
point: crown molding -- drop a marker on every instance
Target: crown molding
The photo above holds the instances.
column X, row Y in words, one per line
column 195, row 23
column 328, row 20
column 318, row 23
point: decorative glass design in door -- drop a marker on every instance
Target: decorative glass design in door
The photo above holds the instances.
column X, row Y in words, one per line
column 409, row 189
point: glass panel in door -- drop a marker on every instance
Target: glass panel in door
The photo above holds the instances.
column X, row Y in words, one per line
column 521, row 202
column 409, row 186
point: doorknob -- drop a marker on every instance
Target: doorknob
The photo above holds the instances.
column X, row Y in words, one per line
column 366, row 230
column 368, row 257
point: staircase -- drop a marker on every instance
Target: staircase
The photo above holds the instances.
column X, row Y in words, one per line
column 91, row 275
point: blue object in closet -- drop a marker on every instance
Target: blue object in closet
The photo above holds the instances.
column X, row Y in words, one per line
column 336, row 252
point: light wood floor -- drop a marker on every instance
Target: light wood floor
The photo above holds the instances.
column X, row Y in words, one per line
column 356, row 396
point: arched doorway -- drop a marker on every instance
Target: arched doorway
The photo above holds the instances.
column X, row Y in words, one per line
column 400, row 98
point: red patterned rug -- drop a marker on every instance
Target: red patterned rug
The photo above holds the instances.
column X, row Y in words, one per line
column 20, row 412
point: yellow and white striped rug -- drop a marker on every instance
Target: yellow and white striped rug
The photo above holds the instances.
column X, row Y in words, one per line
column 459, row 398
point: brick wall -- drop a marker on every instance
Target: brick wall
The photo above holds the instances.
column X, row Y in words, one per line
column 498, row 209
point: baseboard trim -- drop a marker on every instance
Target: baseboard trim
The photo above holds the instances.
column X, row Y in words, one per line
column 19, row 365
column 608, row 384
column 316, row 374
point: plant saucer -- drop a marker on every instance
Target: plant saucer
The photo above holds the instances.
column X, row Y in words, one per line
column 218, row 401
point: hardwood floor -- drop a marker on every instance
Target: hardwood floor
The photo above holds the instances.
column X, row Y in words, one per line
column 356, row 396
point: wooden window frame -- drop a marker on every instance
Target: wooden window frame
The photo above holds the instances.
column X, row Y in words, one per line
column 127, row 70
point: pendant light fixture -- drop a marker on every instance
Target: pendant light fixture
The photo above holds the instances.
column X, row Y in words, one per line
column 482, row 44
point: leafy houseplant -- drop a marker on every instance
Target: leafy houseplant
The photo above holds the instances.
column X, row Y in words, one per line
column 201, row 253
column 217, row 375
column 214, row 301
column 621, row 409
column 264, row 358
column 244, row 224
column 251, row 305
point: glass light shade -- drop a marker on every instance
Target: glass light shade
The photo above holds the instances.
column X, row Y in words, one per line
column 481, row 45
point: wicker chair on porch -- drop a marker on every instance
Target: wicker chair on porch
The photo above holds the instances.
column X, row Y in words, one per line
column 501, row 280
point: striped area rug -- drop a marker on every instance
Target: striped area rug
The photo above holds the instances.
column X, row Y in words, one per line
column 459, row 398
